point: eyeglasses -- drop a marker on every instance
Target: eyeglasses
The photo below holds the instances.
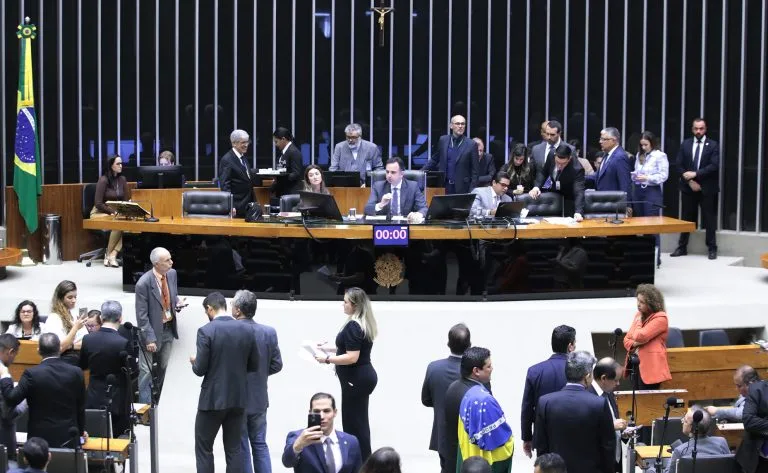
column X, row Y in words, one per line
column 606, row 138
column 503, row 185
column 460, row 123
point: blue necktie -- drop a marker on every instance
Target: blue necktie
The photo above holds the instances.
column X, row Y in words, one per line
column 395, row 201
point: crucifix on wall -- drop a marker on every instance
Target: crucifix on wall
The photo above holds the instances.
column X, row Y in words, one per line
column 382, row 11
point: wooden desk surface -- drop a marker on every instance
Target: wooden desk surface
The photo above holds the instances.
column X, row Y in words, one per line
column 645, row 452
column 98, row 444
column 716, row 358
column 238, row 227
column 650, row 404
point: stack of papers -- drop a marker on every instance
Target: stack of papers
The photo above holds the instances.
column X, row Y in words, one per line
column 561, row 220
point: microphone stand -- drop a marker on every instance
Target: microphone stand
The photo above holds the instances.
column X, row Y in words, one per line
column 695, row 444
column 633, row 362
column 133, row 417
column 658, row 463
column 154, row 394
column 108, row 458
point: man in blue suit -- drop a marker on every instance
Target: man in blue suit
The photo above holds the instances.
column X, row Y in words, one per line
column 396, row 196
column 457, row 157
column 576, row 424
column 321, row 449
column 544, row 378
column 440, row 375
column 614, row 173
column 254, row 440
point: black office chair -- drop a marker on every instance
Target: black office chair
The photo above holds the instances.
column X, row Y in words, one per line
column 549, row 204
column 713, row 338
column 63, row 460
column 603, row 204
column 414, row 175
column 289, row 202
column 708, row 464
column 3, row 458
column 209, row 204
column 675, row 338
column 674, row 431
column 96, row 425
column 89, row 198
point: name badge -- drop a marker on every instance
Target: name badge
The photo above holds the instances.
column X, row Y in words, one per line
column 557, row 185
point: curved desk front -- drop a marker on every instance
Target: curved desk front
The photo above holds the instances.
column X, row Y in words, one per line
column 593, row 258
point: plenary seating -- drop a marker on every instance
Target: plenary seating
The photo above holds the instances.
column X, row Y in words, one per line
column 289, row 202
column 602, row 204
column 549, row 204
column 211, row 204
column 414, row 175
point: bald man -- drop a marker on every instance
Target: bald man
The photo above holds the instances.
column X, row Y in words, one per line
column 742, row 378
column 457, row 157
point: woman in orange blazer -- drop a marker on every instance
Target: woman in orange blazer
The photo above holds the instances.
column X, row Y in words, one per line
column 647, row 338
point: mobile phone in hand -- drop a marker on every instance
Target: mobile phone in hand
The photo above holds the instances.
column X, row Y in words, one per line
column 313, row 420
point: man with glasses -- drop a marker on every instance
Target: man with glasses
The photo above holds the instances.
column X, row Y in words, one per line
column 614, row 172
column 234, row 173
column 488, row 198
column 457, row 157
column 356, row 154
column 564, row 175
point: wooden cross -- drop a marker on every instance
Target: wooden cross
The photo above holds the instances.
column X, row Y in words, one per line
column 382, row 11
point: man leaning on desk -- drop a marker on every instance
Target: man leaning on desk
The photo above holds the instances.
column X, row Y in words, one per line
column 397, row 196
column 563, row 174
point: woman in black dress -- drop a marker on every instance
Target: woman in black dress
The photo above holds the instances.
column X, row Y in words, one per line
column 353, row 366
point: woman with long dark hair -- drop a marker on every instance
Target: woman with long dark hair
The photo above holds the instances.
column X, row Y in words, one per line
column 26, row 322
column 313, row 180
column 111, row 186
column 521, row 172
column 651, row 171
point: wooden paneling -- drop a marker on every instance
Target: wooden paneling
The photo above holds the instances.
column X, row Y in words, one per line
column 650, row 404
column 733, row 433
column 238, row 227
column 703, row 385
column 9, row 256
column 27, row 357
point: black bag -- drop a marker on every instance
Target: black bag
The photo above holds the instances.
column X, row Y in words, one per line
column 252, row 212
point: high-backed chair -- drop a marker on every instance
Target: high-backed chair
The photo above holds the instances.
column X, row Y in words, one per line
column 63, row 460
column 96, row 425
column 413, row 175
column 3, row 458
column 549, row 204
column 674, row 431
column 212, row 204
column 602, row 204
column 89, row 198
column 675, row 338
column 707, row 464
column 289, row 202
column 713, row 338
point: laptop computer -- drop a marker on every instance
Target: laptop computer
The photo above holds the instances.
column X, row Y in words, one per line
column 510, row 209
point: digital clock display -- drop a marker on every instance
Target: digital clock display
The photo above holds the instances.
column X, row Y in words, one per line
column 390, row 235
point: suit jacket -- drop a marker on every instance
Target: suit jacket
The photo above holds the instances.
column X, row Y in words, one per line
column 149, row 306
column 571, row 184
column 614, row 415
column 367, row 155
column 539, row 156
column 577, row 425
column 55, row 392
column 453, row 397
column 411, row 199
column 653, row 349
column 542, row 378
column 614, row 173
column 312, row 458
column 484, row 198
column 100, row 353
column 234, row 178
column 293, row 180
column 705, row 446
column 270, row 362
column 440, row 375
column 486, row 170
column 467, row 163
column 709, row 166
column 755, row 418
column 225, row 355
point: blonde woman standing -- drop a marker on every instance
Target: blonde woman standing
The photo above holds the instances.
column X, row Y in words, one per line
column 62, row 322
column 353, row 365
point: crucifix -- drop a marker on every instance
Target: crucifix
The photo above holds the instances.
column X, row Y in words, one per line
column 382, row 11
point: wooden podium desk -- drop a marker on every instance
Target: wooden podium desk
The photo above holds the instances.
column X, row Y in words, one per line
column 732, row 432
column 650, row 404
column 646, row 455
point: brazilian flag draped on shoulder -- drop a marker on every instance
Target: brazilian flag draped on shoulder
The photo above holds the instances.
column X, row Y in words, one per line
column 484, row 432
column 27, row 176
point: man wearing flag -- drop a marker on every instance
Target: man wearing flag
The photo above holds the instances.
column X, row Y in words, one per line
column 27, row 175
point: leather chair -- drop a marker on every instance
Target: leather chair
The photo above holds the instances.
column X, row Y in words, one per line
column 289, row 202
column 549, row 204
column 62, row 461
column 713, row 338
column 675, row 338
column 211, row 204
column 708, row 464
column 413, row 175
column 673, row 432
column 89, row 197
column 96, row 425
column 3, row 458
column 603, row 204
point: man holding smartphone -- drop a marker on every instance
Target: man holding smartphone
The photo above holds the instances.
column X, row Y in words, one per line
column 319, row 448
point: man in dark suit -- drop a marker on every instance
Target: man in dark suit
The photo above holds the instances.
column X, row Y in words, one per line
column 105, row 353
column 475, row 368
column 234, row 173
column 225, row 355
column 55, row 392
column 321, row 449
column 698, row 162
column 563, row 174
column 486, row 167
column 9, row 348
column 157, row 305
column 457, row 157
column 752, row 454
column 543, row 378
column 254, row 437
column 396, row 196
column 576, row 424
column 552, row 132
column 290, row 159
column 606, row 376
column 614, row 172
column 440, row 375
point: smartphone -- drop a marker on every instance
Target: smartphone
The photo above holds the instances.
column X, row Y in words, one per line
column 83, row 312
column 313, row 420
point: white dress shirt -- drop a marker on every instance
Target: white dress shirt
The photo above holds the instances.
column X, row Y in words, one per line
column 335, row 449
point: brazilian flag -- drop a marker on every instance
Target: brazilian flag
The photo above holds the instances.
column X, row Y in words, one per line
column 483, row 431
column 27, row 175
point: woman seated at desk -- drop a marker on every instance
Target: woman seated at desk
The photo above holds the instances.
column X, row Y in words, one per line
column 111, row 186
column 26, row 322
column 313, row 180
column 521, row 172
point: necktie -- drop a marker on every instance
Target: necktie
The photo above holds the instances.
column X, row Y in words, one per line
column 557, row 175
column 396, row 201
column 764, row 448
column 697, row 155
column 166, row 296
column 551, row 152
column 330, row 462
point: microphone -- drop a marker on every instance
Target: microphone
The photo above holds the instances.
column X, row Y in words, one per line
column 697, row 416
column 151, row 217
column 74, row 438
column 673, row 401
column 613, row 343
column 618, row 332
column 618, row 221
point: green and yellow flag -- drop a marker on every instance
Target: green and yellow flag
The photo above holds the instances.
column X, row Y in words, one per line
column 27, row 175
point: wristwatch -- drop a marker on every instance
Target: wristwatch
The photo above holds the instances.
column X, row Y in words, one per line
column 328, row 359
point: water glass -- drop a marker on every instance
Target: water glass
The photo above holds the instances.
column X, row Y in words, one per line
column 352, row 213
column 267, row 210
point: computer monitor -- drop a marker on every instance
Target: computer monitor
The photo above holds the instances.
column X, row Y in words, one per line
column 342, row 178
column 510, row 209
column 314, row 204
column 159, row 177
column 450, row 207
